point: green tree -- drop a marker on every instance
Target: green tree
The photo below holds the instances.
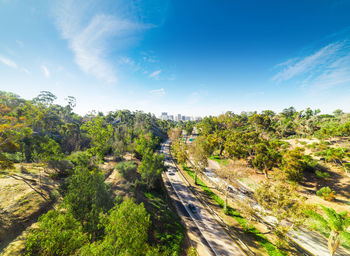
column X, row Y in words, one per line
column 338, row 113
column 174, row 134
column 266, row 156
column 144, row 143
column 45, row 97
column 199, row 157
column 100, row 134
column 127, row 169
column 126, row 230
column 57, row 234
column 180, row 151
column 189, row 128
column 293, row 164
column 12, row 129
column 229, row 173
column 284, row 203
column 336, row 224
column 87, row 197
column 151, row 168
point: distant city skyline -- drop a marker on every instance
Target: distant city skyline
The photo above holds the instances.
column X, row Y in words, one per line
column 179, row 117
column 192, row 57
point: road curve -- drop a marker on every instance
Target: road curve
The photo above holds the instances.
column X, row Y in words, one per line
column 219, row 241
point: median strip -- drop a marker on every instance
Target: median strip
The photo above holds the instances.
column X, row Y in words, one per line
column 259, row 237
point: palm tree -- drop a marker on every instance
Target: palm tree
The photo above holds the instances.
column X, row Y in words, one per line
column 336, row 223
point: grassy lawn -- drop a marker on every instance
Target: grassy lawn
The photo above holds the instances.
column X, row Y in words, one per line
column 312, row 225
column 219, row 160
column 258, row 236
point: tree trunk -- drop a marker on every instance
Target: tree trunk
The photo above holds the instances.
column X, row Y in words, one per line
column 221, row 150
column 195, row 177
column 225, row 206
column 266, row 174
column 333, row 242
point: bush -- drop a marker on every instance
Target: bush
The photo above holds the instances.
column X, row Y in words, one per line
column 294, row 164
column 5, row 163
column 127, row 169
column 63, row 168
column 79, row 158
column 57, row 234
column 326, row 193
column 322, row 175
column 17, row 157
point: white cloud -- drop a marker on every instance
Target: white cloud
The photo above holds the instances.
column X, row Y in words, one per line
column 326, row 67
column 127, row 61
column 12, row 64
column 155, row 74
column 46, row 71
column 158, row 92
column 89, row 35
column 8, row 62
column 25, row 71
column 308, row 63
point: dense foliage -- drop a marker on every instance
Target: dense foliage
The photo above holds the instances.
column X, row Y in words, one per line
column 90, row 220
column 262, row 139
column 39, row 130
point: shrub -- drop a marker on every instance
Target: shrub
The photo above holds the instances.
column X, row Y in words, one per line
column 79, row 158
column 57, row 234
column 127, row 169
column 326, row 193
column 294, row 164
column 5, row 163
column 322, row 175
column 62, row 168
column 17, row 157
column 311, row 164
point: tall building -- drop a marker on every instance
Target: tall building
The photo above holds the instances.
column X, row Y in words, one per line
column 178, row 117
column 171, row 117
column 164, row 116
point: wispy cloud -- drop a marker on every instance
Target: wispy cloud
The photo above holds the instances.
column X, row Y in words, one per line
column 89, row 34
column 25, row 71
column 8, row 62
column 46, row 71
column 12, row 64
column 158, row 92
column 155, row 74
column 324, row 68
column 20, row 43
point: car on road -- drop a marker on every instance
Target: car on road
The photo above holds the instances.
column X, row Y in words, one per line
column 192, row 208
column 244, row 191
column 231, row 189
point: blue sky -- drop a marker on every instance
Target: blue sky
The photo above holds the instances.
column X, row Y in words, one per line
column 191, row 57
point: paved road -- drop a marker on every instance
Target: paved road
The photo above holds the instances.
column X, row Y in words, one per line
column 309, row 240
column 219, row 242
